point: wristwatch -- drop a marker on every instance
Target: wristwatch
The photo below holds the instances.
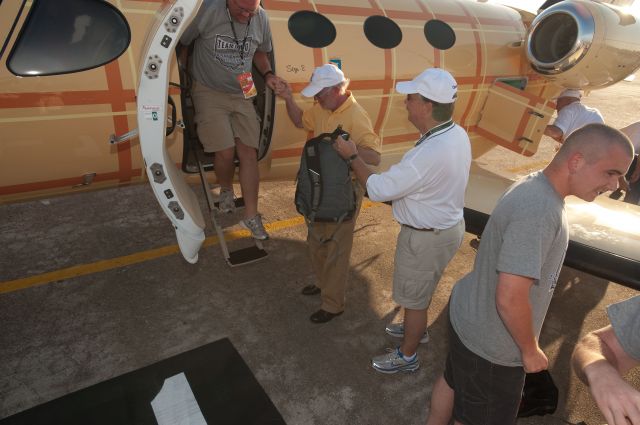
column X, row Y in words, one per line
column 351, row 158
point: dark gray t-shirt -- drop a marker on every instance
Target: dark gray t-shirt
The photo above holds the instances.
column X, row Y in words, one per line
column 216, row 61
column 527, row 235
column 625, row 321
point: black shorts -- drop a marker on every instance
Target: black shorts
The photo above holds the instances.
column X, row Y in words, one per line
column 485, row 393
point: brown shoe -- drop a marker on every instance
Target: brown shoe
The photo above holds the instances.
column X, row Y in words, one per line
column 310, row 290
column 322, row 316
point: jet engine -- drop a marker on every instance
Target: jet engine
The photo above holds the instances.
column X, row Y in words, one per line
column 584, row 44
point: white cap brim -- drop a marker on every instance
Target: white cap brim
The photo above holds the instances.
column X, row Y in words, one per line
column 311, row 90
column 406, row 87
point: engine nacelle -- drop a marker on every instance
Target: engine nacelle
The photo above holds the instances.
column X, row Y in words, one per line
column 584, row 44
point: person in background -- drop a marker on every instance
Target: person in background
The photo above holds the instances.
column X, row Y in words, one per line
column 603, row 356
column 572, row 115
column 630, row 183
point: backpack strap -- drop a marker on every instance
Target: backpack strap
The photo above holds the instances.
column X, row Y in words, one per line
column 314, row 170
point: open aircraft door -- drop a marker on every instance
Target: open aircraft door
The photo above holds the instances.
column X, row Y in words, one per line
column 514, row 119
column 176, row 198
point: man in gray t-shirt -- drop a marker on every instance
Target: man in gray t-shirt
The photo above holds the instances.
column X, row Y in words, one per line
column 230, row 36
column 603, row 356
column 497, row 310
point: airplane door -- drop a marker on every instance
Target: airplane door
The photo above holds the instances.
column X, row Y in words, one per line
column 514, row 118
column 172, row 192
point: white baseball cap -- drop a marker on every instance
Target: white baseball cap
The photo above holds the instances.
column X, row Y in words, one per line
column 433, row 83
column 327, row 75
column 570, row 93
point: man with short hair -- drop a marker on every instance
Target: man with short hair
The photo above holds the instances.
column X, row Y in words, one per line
column 497, row 310
column 427, row 192
column 603, row 356
column 330, row 243
column 571, row 115
column 229, row 36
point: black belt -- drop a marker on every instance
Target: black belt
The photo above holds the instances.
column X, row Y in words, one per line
column 419, row 230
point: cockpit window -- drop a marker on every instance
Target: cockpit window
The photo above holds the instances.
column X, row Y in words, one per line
column 382, row 32
column 64, row 36
column 439, row 34
column 311, row 29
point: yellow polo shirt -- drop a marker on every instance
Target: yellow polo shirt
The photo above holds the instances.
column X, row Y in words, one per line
column 353, row 118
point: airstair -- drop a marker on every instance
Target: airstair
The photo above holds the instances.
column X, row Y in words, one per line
column 174, row 195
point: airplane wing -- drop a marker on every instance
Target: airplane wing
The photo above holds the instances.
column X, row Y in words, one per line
column 604, row 234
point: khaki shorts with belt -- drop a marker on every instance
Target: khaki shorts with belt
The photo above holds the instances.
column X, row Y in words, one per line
column 421, row 257
column 221, row 117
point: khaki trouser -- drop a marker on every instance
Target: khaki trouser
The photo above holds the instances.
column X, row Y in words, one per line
column 330, row 260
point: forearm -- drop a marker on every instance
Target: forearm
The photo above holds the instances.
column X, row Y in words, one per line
column 369, row 156
column 361, row 171
column 599, row 360
column 516, row 316
column 553, row 132
column 261, row 61
column 294, row 111
column 588, row 359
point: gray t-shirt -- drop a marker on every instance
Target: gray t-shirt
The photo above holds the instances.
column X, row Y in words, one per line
column 527, row 235
column 625, row 320
column 216, row 61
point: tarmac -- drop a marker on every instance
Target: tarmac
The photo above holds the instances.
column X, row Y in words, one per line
column 92, row 286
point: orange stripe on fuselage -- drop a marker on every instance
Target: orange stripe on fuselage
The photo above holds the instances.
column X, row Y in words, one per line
column 64, row 98
column 68, row 182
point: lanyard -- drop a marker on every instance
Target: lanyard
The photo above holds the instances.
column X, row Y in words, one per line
column 235, row 36
column 434, row 130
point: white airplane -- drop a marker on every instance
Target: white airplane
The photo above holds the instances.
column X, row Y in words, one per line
column 78, row 71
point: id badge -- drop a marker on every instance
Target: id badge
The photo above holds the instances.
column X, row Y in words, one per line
column 246, row 84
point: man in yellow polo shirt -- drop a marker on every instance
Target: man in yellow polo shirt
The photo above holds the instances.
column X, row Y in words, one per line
column 334, row 105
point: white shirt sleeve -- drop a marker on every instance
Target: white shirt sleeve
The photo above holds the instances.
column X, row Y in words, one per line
column 399, row 181
column 565, row 119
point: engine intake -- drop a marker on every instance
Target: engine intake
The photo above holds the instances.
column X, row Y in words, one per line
column 584, row 44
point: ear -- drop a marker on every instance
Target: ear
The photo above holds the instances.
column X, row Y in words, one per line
column 575, row 162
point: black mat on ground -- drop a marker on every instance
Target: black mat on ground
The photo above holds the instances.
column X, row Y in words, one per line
column 221, row 382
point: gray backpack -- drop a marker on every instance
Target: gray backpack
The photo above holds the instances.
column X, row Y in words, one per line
column 325, row 191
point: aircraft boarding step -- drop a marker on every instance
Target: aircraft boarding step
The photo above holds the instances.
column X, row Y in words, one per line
column 240, row 256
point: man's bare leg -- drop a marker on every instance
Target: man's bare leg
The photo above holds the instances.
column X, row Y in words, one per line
column 224, row 168
column 249, row 178
column 415, row 322
column 441, row 406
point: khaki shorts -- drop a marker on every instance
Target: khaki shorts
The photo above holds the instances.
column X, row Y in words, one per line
column 420, row 259
column 221, row 117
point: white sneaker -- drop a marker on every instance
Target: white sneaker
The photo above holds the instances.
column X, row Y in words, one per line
column 255, row 226
column 397, row 330
column 393, row 362
column 226, row 202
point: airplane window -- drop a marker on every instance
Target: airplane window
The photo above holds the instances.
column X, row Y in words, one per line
column 439, row 34
column 64, row 36
column 311, row 29
column 382, row 32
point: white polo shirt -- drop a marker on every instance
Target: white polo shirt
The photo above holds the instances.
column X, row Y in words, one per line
column 427, row 186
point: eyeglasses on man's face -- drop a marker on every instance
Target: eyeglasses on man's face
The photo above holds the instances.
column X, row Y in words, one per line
column 323, row 93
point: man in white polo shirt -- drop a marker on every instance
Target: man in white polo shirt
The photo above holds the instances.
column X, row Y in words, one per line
column 427, row 191
column 571, row 115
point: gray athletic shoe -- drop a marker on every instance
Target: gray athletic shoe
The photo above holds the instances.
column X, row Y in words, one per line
column 254, row 225
column 397, row 330
column 393, row 362
column 226, row 203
